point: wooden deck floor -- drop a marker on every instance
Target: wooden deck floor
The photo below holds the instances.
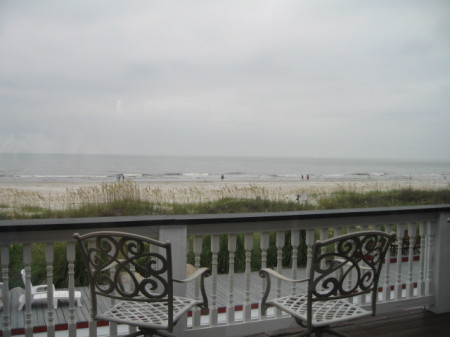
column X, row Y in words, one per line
column 408, row 323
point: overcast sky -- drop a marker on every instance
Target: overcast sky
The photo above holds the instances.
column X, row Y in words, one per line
column 207, row 77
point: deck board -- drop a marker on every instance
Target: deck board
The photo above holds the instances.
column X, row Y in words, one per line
column 407, row 323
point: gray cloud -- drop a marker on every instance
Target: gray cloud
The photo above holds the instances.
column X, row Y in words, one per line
column 293, row 78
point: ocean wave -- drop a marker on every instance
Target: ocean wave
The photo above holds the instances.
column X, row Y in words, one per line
column 169, row 174
column 237, row 173
column 61, row 176
column 132, row 175
column 195, row 174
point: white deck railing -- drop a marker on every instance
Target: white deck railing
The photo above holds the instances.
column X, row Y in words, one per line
column 414, row 275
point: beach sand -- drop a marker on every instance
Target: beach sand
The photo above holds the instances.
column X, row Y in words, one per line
column 57, row 194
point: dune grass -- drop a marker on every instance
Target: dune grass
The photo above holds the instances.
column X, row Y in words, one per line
column 128, row 199
column 397, row 197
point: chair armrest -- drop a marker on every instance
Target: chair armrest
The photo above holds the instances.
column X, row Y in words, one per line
column 202, row 273
column 195, row 275
column 266, row 273
column 40, row 289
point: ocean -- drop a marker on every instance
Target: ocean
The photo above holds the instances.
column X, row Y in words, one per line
column 106, row 168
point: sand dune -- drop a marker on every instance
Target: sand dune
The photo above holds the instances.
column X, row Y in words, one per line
column 59, row 194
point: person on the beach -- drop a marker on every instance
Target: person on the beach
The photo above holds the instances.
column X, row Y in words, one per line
column 222, row 177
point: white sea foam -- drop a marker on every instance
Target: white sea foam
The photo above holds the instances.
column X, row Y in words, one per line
column 103, row 168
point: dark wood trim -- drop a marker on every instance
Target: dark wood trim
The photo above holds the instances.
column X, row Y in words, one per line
column 160, row 220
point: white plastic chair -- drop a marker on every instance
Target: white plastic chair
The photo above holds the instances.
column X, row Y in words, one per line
column 39, row 294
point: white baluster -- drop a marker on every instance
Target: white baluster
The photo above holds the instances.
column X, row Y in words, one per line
column 215, row 247
column 264, row 244
column 398, row 283
column 231, row 256
column 410, row 285
column 310, row 238
column 295, row 242
column 350, row 285
column 92, row 321
column 323, row 237
column 27, row 265
column 350, row 229
column 279, row 242
column 132, row 286
column 429, row 256
column 5, row 291
column 337, row 231
column 422, row 257
column 50, row 307
column 248, row 246
column 71, row 286
column 113, row 325
column 387, row 267
column 377, row 227
column 197, row 249
column 363, row 298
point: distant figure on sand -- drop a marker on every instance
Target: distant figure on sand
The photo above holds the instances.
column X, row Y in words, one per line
column 222, row 177
column 120, row 177
column 307, row 177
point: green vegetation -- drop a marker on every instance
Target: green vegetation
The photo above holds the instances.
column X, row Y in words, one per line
column 400, row 197
column 127, row 199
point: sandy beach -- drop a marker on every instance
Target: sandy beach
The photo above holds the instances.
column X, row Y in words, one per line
column 57, row 194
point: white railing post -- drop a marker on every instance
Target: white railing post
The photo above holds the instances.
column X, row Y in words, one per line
column 441, row 270
column 177, row 235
